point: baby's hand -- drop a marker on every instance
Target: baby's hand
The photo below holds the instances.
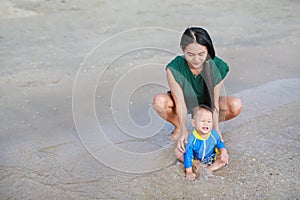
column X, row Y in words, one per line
column 190, row 176
column 224, row 156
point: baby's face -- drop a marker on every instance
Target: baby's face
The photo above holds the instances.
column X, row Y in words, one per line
column 203, row 121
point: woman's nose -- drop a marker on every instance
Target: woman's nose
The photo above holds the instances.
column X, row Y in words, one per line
column 197, row 58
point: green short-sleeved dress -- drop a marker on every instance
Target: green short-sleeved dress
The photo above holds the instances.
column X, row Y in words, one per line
column 193, row 86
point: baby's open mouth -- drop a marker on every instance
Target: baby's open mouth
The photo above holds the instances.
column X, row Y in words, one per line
column 205, row 128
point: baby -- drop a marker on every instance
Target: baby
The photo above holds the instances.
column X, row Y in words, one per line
column 204, row 144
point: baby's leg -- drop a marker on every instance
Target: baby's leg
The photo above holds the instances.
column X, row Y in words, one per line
column 201, row 169
column 218, row 164
column 198, row 167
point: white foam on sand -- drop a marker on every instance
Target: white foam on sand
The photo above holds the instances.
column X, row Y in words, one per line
column 10, row 10
column 265, row 98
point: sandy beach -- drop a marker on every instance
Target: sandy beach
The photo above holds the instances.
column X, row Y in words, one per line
column 77, row 79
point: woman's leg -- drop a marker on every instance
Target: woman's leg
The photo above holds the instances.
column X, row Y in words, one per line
column 164, row 105
column 229, row 107
column 179, row 154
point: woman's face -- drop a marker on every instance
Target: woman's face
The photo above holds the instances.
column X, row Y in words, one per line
column 195, row 54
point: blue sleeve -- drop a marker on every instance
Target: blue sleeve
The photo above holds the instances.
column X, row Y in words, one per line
column 188, row 155
column 219, row 144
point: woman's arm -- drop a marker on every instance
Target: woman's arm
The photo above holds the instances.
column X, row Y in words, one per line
column 180, row 109
column 216, row 111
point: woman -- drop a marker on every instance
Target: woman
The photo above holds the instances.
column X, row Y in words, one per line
column 194, row 79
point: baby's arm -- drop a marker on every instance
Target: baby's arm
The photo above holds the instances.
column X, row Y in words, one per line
column 189, row 174
column 224, row 156
column 188, row 160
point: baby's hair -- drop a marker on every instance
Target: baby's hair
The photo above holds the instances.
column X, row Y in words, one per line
column 197, row 108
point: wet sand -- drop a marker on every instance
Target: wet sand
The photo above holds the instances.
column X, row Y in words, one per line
column 75, row 104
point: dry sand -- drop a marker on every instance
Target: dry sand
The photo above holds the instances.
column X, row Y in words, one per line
column 76, row 84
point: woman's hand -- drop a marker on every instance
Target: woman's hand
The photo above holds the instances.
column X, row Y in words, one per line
column 182, row 140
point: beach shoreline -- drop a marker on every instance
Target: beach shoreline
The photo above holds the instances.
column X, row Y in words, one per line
column 76, row 86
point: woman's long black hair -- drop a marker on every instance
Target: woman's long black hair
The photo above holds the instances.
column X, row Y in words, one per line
column 200, row 35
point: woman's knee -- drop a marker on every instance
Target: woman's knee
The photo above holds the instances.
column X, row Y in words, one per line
column 160, row 101
column 235, row 106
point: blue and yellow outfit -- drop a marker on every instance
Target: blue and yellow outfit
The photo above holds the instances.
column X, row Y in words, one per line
column 202, row 149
